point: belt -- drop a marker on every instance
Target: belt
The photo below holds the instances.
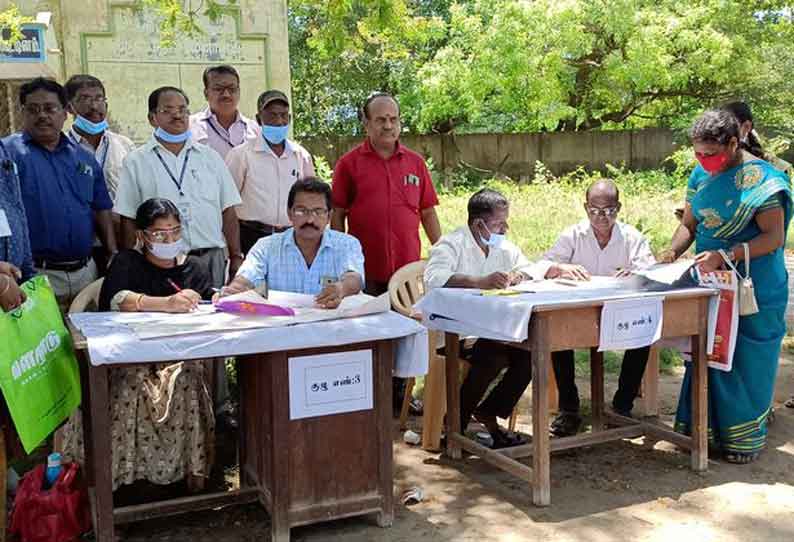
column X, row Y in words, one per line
column 71, row 265
column 262, row 227
column 199, row 252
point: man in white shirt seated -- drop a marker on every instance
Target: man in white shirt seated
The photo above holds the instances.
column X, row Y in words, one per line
column 478, row 256
column 598, row 246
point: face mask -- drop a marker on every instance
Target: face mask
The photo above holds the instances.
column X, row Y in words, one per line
column 275, row 134
column 495, row 240
column 161, row 134
column 167, row 251
column 714, row 163
column 90, row 128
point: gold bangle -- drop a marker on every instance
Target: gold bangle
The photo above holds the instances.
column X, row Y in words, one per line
column 138, row 302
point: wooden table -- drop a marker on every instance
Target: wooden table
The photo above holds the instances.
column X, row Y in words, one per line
column 302, row 471
column 567, row 326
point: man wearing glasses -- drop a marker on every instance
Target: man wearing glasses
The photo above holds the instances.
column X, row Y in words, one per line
column 173, row 166
column 598, row 246
column 63, row 190
column 87, row 103
column 308, row 258
column 220, row 125
column 265, row 168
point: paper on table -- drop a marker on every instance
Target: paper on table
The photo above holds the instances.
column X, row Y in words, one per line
column 290, row 299
column 666, row 273
column 595, row 283
column 630, row 323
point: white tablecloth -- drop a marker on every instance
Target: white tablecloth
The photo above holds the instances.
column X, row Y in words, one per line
column 111, row 341
column 506, row 318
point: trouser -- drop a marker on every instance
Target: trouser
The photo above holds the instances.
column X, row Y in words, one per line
column 215, row 260
column 487, row 360
column 631, row 371
column 252, row 231
column 67, row 284
column 376, row 288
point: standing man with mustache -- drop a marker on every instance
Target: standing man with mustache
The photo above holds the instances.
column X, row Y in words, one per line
column 172, row 166
column 220, row 125
column 89, row 106
column 384, row 192
column 63, row 190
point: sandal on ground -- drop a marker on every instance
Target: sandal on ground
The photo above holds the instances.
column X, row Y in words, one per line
column 566, row 424
column 739, row 458
column 505, row 439
column 790, row 403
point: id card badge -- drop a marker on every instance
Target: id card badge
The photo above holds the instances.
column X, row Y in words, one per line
column 5, row 227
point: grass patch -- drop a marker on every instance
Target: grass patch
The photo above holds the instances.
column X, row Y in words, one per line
column 669, row 359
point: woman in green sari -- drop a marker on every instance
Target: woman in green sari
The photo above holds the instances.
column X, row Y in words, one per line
column 732, row 198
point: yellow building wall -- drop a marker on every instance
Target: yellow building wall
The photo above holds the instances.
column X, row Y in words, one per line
column 122, row 47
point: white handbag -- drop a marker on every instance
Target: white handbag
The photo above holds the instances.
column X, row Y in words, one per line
column 747, row 302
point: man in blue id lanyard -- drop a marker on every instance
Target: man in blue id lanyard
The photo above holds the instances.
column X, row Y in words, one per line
column 173, row 166
column 88, row 105
column 220, row 125
column 63, row 190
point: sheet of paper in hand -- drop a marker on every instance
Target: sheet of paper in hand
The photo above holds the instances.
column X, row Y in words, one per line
column 328, row 384
column 630, row 323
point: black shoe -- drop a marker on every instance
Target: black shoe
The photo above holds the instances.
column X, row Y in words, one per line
column 226, row 420
column 566, row 424
column 505, row 439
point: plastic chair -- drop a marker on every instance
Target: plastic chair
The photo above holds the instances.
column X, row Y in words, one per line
column 88, row 299
column 406, row 288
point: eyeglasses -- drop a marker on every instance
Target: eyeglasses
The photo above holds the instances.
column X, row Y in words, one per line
column 47, row 109
column 91, row 100
column 224, row 90
column 608, row 212
column 318, row 212
column 161, row 236
column 174, row 112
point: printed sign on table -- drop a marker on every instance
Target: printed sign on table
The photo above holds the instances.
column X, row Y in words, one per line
column 630, row 323
column 328, row 384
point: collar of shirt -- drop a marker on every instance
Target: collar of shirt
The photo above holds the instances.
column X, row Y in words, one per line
column 616, row 236
column 262, row 146
column 289, row 240
column 367, row 148
column 83, row 142
column 64, row 143
column 155, row 143
column 209, row 116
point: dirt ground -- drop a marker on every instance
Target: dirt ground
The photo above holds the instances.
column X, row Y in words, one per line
column 630, row 490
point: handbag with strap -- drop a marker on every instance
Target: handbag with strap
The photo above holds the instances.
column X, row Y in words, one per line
column 747, row 302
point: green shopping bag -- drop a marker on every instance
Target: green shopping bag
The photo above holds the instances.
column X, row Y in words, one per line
column 39, row 375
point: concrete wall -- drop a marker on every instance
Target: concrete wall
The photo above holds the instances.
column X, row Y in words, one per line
column 515, row 155
column 110, row 40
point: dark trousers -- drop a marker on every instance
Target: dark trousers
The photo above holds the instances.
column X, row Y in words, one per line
column 487, row 360
column 251, row 232
column 631, row 371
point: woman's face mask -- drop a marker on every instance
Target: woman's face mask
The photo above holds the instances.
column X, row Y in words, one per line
column 165, row 244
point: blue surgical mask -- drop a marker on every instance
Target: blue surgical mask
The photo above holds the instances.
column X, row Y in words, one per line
column 159, row 133
column 275, row 134
column 88, row 127
column 495, row 240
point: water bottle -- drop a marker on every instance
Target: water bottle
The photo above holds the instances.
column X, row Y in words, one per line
column 53, row 469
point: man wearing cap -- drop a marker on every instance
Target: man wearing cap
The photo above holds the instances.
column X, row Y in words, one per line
column 265, row 168
column 384, row 192
column 220, row 125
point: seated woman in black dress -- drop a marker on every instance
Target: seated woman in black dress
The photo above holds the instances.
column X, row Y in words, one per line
column 162, row 421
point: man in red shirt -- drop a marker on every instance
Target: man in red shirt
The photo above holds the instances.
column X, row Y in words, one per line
column 384, row 191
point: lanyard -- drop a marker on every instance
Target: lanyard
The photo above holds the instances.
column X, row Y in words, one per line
column 227, row 140
column 171, row 174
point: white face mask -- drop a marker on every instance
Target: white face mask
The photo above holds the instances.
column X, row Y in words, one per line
column 495, row 240
column 167, row 251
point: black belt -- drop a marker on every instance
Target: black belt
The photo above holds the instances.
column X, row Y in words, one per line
column 261, row 227
column 199, row 252
column 71, row 265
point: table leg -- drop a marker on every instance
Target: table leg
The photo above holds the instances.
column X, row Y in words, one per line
column 435, row 400
column 700, row 449
column 597, row 388
column 101, row 452
column 452, row 348
column 650, row 384
column 383, row 408
column 541, row 457
column 279, row 448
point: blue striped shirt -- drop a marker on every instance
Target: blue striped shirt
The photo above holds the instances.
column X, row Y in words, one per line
column 278, row 261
